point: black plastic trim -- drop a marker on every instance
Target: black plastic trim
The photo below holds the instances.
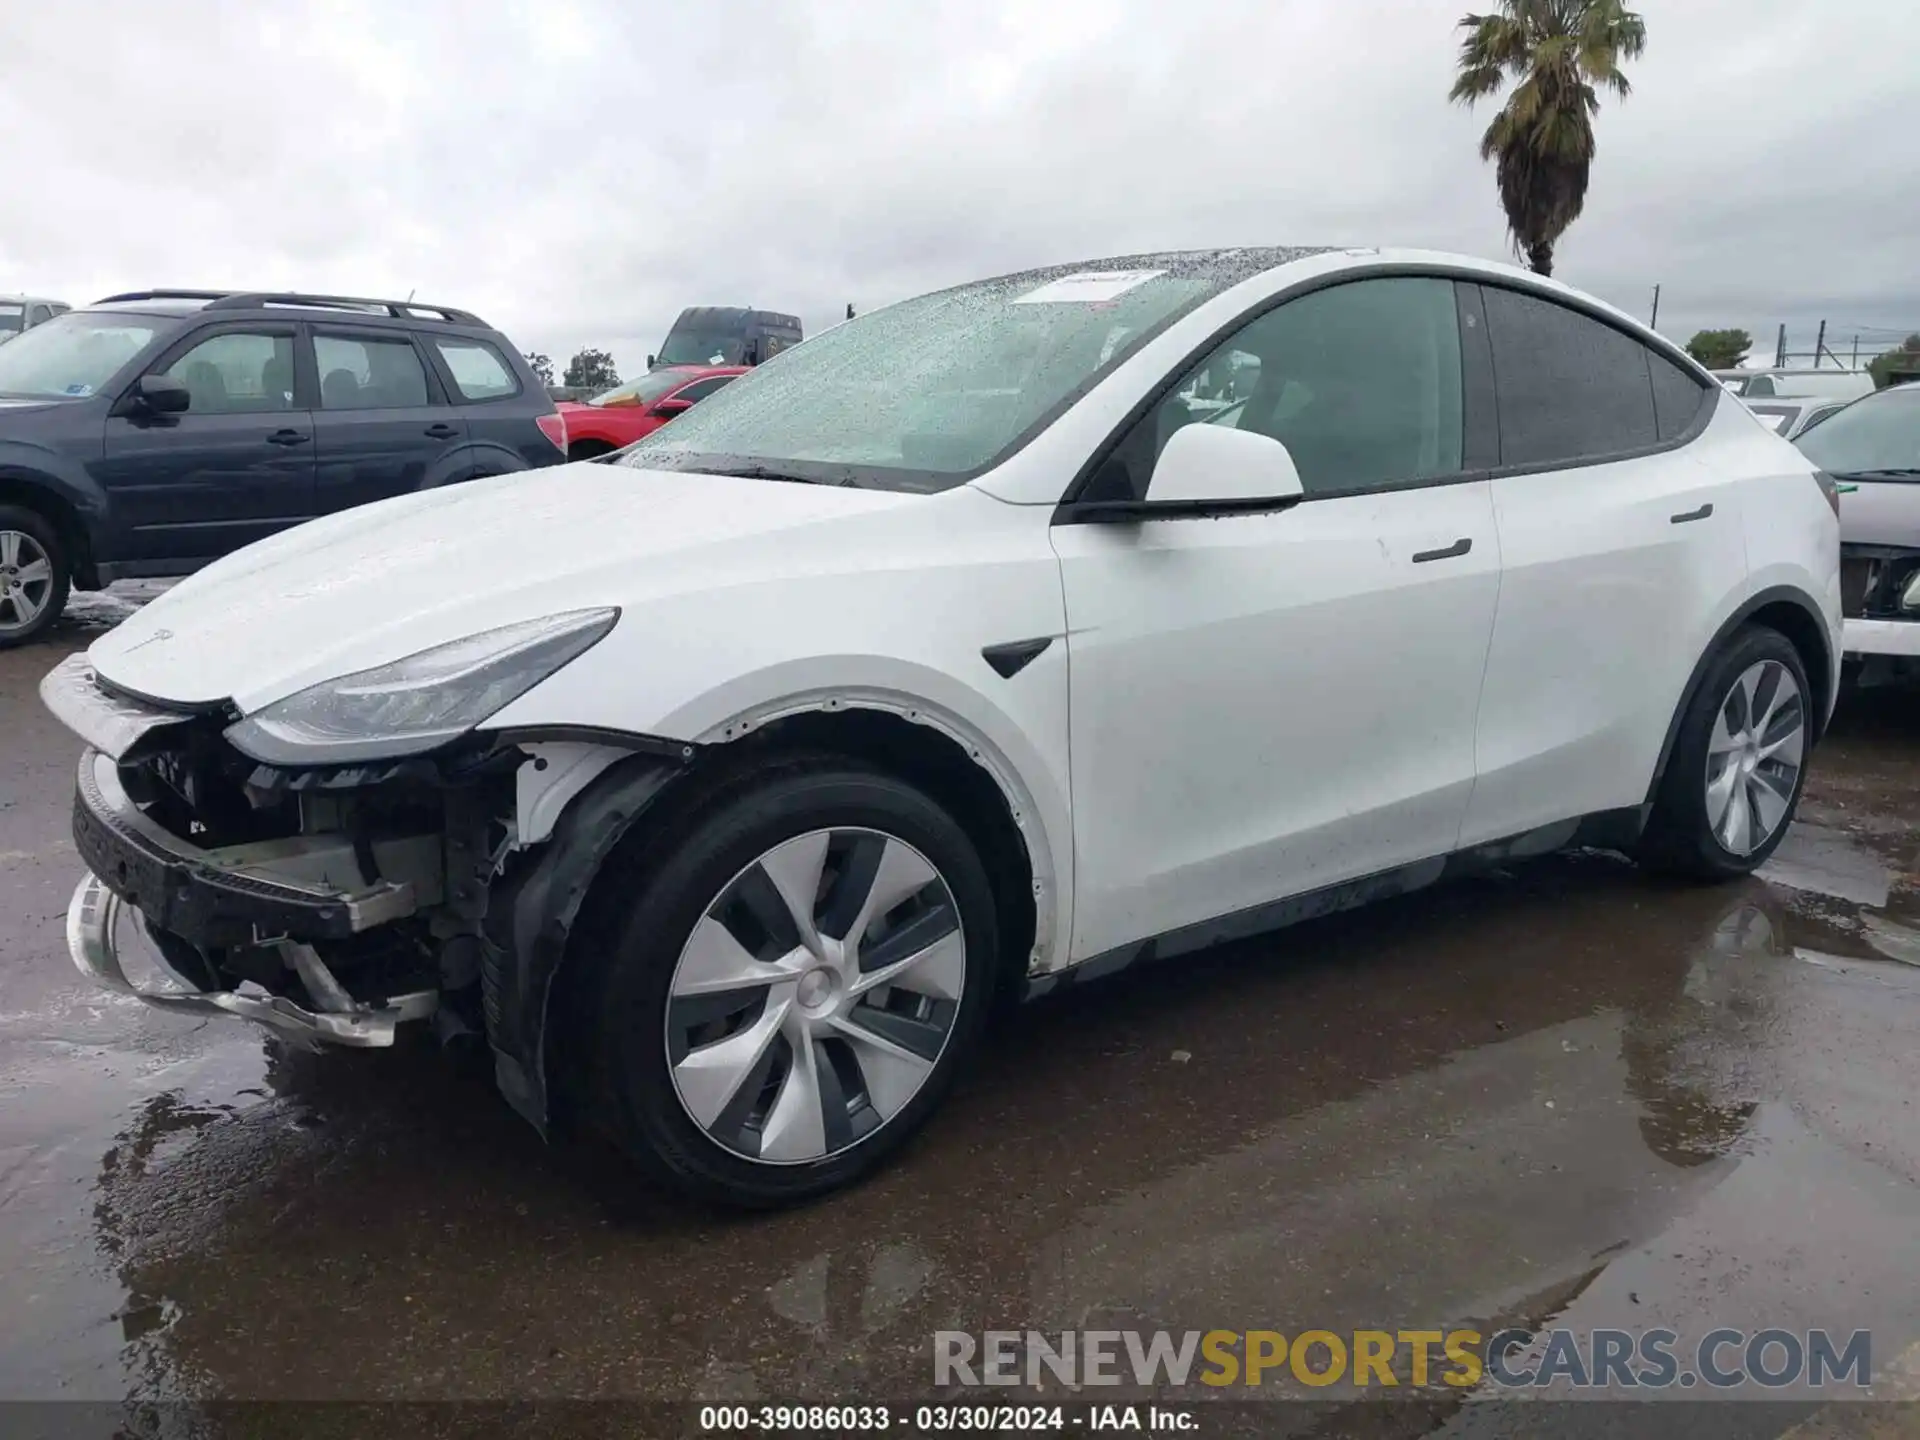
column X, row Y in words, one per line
column 1129, row 512
column 181, row 894
column 592, row 735
column 1688, row 516
column 1610, row 829
column 1009, row 659
column 1450, row 552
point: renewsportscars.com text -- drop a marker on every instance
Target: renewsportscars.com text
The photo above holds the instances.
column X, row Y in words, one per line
column 1510, row 1359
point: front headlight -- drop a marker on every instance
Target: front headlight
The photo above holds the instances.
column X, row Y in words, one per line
column 419, row 702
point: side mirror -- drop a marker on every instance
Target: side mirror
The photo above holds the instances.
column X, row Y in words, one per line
column 672, row 406
column 650, row 362
column 156, row 395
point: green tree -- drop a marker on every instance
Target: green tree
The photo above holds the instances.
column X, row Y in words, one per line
column 541, row 365
column 1903, row 359
column 592, row 370
column 1720, row 349
column 1558, row 54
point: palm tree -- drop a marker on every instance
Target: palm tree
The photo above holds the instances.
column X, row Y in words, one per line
column 1558, row 53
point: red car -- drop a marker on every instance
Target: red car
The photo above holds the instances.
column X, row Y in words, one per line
column 620, row 416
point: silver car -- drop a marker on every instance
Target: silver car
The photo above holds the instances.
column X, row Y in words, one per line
column 23, row 312
column 1872, row 447
column 1794, row 417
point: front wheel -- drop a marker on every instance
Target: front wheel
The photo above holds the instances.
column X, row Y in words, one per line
column 34, row 579
column 1738, row 764
column 803, row 971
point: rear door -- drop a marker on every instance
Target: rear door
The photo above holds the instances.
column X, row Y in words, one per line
column 1620, row 550
column 237, row 466
column 499, row 412
column 384, row 426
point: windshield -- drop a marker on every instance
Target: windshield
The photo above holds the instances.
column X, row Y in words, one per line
column 72, row 355
column 702, row 347
column 925, row 394
column 644, row 391
column 1879, row 433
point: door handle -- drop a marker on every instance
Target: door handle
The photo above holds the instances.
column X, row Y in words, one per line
column 441, row 432
column 1702, row 513
column 288, row 437
column 1458, row 547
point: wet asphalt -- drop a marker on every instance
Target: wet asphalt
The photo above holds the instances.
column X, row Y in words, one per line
column 1565, row 1093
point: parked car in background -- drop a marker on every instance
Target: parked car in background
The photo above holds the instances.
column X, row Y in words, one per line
column 1873, row 445
column 1812, row 384
column 620, row 416
column 1793, row 417
column 152, row 432
column 23, row 312
column 726, row 785
column 718, row 335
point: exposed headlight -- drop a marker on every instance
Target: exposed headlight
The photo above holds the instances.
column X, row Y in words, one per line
column 1910, row 597
column 420, row 702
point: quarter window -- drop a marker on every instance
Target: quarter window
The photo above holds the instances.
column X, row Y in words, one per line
column 1360, row 381
column 477, row 369
column 1570, row 387
column 237, row 372
column 1677, row 396
column 359, row 373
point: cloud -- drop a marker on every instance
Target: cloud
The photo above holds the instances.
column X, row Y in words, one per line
column 578, row 170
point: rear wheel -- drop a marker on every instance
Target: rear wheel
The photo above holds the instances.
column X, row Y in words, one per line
column 588, row 449
column 803, row 971
column 34, row 578
column 1739, row 763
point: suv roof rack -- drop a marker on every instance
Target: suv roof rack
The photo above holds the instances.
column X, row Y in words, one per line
column 263, row 299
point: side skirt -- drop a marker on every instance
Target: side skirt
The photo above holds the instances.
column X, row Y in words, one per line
column 1604, row 830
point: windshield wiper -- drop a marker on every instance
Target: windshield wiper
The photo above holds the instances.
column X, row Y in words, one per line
column 1898, row 472
column 765, row 472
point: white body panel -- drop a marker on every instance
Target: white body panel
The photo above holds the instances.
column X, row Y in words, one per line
column 1234, row 710
column 1270, row 703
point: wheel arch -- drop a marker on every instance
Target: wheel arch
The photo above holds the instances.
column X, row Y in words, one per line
column 34, row 492
column 1794, row 615
column 549, row 898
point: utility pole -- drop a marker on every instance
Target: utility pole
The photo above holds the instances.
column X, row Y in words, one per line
column 1654, row 322
column 1819, row 344
column 1856, row 352
column 1780, row 349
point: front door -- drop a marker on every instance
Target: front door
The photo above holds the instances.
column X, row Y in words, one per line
column 235, row 467
column 1263, row 705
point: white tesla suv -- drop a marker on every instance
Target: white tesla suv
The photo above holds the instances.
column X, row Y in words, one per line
column 999, row 638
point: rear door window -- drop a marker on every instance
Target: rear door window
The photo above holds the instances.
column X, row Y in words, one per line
column 1570, row 387
column 476, row 367
column 1677, row 396
column 363, row 373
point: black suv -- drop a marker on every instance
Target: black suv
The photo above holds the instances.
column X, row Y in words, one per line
column 151, row 433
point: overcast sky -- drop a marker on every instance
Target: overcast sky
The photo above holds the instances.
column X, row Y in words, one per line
column 579, row 170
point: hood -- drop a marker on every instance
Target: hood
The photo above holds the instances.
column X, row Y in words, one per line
column 1881, row 512
column 383, row 581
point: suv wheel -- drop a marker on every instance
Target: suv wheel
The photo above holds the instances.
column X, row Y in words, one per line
column 33, row 575
column 802, row 972
column 1739, row 762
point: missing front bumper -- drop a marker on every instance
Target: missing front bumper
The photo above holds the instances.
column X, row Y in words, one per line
column 92, row 924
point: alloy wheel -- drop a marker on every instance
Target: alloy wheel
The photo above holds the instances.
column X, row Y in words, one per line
column 26, row 580
column 815, row 995
column 1754, row 756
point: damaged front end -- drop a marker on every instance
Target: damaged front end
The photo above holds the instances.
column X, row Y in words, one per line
column 334, row 904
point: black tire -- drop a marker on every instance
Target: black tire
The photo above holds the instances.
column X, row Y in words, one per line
column 588, row 450
column 1679, row 838
column 628, row 1088
column 31, row 523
